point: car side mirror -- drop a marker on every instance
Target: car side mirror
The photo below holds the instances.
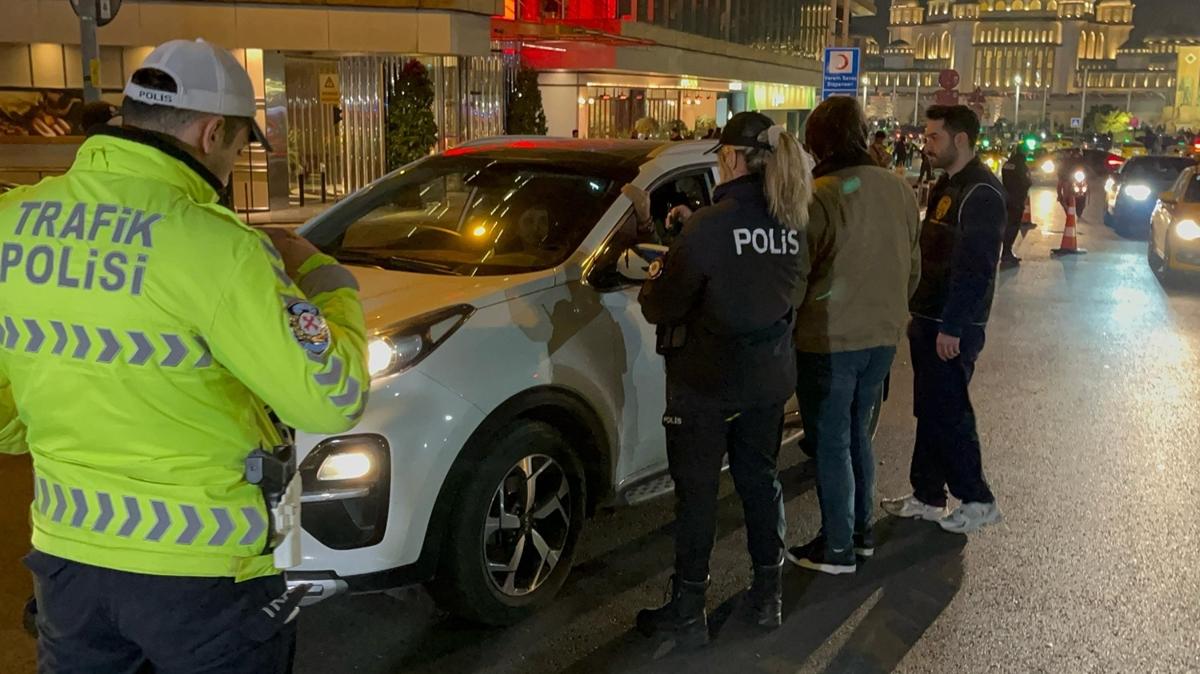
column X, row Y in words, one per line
column 641, row 262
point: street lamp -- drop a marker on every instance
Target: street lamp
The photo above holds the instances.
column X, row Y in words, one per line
column 1017, row 111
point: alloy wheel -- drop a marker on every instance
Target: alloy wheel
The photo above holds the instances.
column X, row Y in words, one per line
column 527, row 525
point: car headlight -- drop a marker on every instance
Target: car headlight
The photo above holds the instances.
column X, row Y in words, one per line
column 1187, row 230
column 404, row 345
column 1138, row 192
column 351, row 465
column 1048, row 166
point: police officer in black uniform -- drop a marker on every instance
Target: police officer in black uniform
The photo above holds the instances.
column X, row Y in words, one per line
column 723, row 300
column 960, row 249
column 1017, row 183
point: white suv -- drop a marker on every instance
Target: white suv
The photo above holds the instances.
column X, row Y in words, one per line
column 515, row 383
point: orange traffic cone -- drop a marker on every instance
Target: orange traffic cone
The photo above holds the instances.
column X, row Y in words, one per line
column 1027, row 218
column 1070, row 242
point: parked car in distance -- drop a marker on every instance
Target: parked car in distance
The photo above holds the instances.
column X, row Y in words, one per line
column 1132, row 192
column 1174, row 245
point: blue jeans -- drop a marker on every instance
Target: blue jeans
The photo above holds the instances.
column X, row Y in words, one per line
column 837, row 392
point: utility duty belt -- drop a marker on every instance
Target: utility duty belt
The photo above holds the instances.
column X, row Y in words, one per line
column 275, row 474
column 676, row 336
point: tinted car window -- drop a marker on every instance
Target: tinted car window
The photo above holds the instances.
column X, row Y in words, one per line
column 469, row 215
column 1155, row 169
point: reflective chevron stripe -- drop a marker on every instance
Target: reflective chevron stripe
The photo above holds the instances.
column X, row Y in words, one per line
column 135, row 347
column 149, row 520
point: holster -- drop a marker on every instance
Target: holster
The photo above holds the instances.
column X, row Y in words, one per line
column 275, row 474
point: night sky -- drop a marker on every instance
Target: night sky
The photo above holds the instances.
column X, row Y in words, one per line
column 1151, row 17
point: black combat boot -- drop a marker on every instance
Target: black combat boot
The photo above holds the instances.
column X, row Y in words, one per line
column 766, row 596
column 683, row 619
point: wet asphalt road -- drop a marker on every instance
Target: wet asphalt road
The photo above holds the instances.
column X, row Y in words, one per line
column 1089, row 413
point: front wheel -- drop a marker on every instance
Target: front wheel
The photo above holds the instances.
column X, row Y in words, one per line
column 1160, row 264
column 513, row 533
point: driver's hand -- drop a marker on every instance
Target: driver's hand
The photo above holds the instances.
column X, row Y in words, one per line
column 293, row 248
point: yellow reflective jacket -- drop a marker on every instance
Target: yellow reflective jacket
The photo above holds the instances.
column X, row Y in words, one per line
column 144, row 330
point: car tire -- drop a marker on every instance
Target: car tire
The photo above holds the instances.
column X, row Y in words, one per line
column 503, row 560
column 876, row 412
column 1158, row 264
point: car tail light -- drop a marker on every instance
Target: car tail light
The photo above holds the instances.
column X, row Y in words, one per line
column 1114, row 161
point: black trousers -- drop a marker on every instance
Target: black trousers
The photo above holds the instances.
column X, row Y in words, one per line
column 947, row 451
column 93, row 620
column 1013, row 226
column 697, row 441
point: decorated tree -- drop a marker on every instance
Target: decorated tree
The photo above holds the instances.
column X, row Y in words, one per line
column 1107, row 119
column 411, row 127
column 525, row 113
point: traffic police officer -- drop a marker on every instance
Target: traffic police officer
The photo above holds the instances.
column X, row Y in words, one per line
column 1017, row 183
column 146, row 331
column 723, row 299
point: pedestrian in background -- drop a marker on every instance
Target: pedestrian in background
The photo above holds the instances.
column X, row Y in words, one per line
column 863, row 243
column 926, row 167
column 879, row 150
column 1017, row 183
column 960, row 249
column 900, row 153
column 152, row 548
column 723, row 303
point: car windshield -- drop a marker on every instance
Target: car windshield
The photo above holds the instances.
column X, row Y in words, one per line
column 469, row 215
column 1192, row 196
column 1155, row 169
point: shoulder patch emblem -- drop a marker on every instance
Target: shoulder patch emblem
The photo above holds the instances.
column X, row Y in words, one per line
column 943, row 207
column 308, row 327
column 655, row 269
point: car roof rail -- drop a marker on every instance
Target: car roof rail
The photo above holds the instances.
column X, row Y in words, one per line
column 686, row 147
column 496, row 139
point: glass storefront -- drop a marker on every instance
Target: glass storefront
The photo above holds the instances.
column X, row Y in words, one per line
column 468, row 103
column 628, row 112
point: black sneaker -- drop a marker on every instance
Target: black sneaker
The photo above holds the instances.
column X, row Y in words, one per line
column 864, row 543
column 817, row 557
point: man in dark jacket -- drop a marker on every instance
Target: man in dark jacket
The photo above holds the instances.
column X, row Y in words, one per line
column 722, row 301
column 1017, row 182
column 960, row 247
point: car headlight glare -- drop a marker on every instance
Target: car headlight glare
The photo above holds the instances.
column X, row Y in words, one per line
column 387, row 353
column 345, row 466
column 404, row 345
column 1048, row 166
column 1187, row 230
column 1138, row 192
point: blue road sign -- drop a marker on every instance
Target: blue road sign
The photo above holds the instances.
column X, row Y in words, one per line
column 841, row 72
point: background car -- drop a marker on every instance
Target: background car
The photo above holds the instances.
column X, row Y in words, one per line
column 1174, row 246
column 1133, row 149
column 1131, row 193
column 515, row 385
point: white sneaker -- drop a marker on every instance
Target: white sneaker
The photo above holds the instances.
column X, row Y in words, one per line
column 970, row 517
column 912, row 507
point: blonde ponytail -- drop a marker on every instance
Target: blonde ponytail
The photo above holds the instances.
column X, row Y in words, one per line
column 787, row 176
